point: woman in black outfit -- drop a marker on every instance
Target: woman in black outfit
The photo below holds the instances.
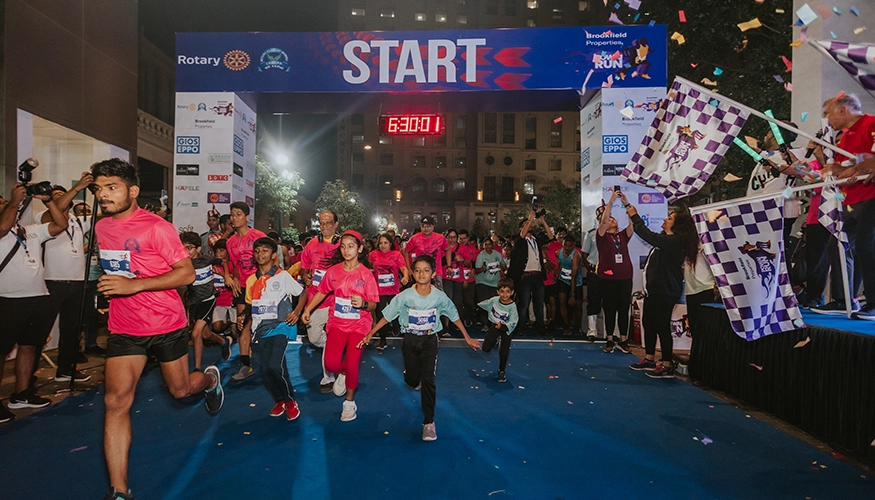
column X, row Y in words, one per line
column 664, row 283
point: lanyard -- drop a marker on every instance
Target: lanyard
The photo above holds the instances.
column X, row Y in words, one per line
column 617, row 241
column 22, row 242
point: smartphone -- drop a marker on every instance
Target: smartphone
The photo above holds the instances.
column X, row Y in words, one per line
column 535, row 204
column 617, row 188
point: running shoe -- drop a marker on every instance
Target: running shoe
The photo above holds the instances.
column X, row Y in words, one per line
column 243, row 373
column 226, row 349
column 382, row 345
column 340, row 385
column 292, row 410
column 112, row 494
column 326, row 388
column 835, row 308
column 77, row 377
column 609, row 346
column 645, row 365
column 502, row 377
column 348, row 414
column 5, row 415
column 623, row 346
column 590, row 337
column 428, row 432
column 278, row 409
column 867, row 313
column 27, row 399
column 214, row 397
column 661, row 371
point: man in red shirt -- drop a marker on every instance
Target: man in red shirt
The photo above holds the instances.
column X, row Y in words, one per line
column 432, row 244
column 315, row 260
column 858, row 137
column 243, row 266
column 145, row 262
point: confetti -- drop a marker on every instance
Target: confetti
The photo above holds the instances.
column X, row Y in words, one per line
column 628, row 112
column 498, row 491
column 615, row 19
column 521, row 387
column 758, row 367
column 778, row 77
column 806, row 15
column 246, row 433
column 802, row 343
column 682, row 16
column 788, row 87
column 804, row 115
column 694, row 64
column 854, row 11
column 837, row 11
column 833, row 35
column 749, row 25
column 714, row 102
column 803, row 33
column 730, row 177
column 824, row 11
column 706, row 81
column 678, row 38
column 788, row 63
column 252, row 405
column 652, row 23
column 633, row 4
column 718, row 71
column 220, row 444
column 569, row 402
column 859, row 30
column 386, row 433
column 74, row 450
column 779, row 11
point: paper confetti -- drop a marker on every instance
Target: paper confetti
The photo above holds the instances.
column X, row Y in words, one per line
column 758, row 367
column 833, row 35
column 615, row 19
column 751, row 142
column 804, row 115
column 837, row 11
column 709, row 82
column 694, row 64
column 730, row 177
column 521, row 387
column 802, row 343
column 682, row 16
column 246, row 433
column 788, row 87
column 678, row 38
column 778, row 77
column 824, row 11
column 859, row 30
column 718, row 71
column 854, row 11
column 569, row 402
column 788, row 63
column 628, row 112
column 749, row 25
column 803, row 33
column 806, row 14
column 779, row 11
column 633, row 4
column 652, row 23
column 74, row 450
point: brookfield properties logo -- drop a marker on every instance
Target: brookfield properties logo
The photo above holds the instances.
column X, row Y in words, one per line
column 274, row 58
column 188, row 144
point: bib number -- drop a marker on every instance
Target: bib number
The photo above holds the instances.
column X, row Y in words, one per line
column 422, row 321
column 317, row 277
column 116, row 263
column 386, row 280
column 565, row 274
column 493, row 267
column 343, row 309
column 264, row 309
column 497, row 316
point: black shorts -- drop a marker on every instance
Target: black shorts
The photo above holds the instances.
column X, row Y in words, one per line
column 166, row 347
column 25, row 321
column 202, row 311
column 566, row 289
column 240, row 300
column 550, row 290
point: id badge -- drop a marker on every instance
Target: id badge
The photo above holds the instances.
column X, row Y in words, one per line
column 32, row 263
column 618, row 258
column 75, row 252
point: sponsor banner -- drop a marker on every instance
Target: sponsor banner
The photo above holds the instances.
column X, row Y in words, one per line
column 626, row 116
column 187, row 169
column 219, row 197
column 415, row 61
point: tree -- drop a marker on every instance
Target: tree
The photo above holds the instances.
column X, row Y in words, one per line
column 563, row 208
column 274, row 194
column 347, row 204
column 290, row 233
column 510, row 221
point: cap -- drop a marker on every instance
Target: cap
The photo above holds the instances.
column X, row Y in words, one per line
column 213, row 213
column 428, row 219
column 354, row 234
column 600, row 211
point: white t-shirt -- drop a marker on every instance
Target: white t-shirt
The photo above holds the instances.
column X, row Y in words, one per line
column 65, row 253
column 533, row 255
column 23, row 276
column 698, row 279
column 590, row 248
column 761, row 181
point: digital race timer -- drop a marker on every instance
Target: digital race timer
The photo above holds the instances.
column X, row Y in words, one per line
column 411, row 124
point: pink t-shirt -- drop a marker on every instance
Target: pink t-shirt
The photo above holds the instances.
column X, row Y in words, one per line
column 340, row 285
column 225, row 297
column 387, row 268
column 142, row 245
column 317, row 258
column 468, row 252
column 240, row 254
column 434, row 245
column 552, row 248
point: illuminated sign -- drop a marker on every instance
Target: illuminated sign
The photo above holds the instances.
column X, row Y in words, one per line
column 411, row 124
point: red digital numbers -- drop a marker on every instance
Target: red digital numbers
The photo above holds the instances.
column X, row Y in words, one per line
column 411, row 124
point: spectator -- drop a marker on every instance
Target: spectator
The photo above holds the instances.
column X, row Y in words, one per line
column 528, row 273
column 614, row 275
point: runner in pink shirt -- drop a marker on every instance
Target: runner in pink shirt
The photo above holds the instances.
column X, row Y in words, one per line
column 391, row 272
column 351, row 291
column 429, row 243
column 144, row 263
column 469, row 251
column 315, row 260
column 242, row 264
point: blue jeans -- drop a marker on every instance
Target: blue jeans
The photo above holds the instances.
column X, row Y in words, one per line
column 531, row 287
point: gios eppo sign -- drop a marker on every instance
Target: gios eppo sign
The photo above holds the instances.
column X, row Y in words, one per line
column 415, row 61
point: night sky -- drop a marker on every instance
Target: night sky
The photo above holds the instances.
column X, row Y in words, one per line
column 312, row 138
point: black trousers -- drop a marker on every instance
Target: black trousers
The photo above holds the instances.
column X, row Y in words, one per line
column 656, row 319
column 496, row 336
column 420, row 366
column 616, row 299
column 66, row 300
column 694, row 309
column 271, row 353
column 393, row 327
column 593, row 295
column 861, row 220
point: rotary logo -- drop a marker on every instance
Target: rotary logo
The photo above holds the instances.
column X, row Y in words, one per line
column 236, row 60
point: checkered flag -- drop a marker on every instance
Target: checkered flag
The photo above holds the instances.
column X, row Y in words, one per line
column 689, row 135
column 745, row 250
column 829, row 213
column 858, row 59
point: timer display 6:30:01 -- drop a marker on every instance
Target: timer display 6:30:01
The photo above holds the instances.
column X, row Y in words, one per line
column 411, row 124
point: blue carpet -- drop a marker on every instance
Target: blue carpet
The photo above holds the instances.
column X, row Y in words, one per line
column 825, row 321
column 571, row 422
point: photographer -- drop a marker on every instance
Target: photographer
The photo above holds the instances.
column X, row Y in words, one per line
column 65, row 274
column 527, row 271
column 23, row 294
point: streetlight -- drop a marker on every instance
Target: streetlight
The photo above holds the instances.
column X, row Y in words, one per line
column 282, row 159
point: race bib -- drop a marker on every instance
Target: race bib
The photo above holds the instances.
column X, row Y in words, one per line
column 203, row 275
column 386, row 280
column 264, row 309
column 117, row 263
column 454, row 273
column 467, row 274
column 496, row 316
column 219, row 281
column 493, row 267
column 343, row 309
column 420, row 320
column 565, row 274
column 317, row 277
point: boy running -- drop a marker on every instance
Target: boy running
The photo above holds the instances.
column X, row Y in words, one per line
column 504, row 317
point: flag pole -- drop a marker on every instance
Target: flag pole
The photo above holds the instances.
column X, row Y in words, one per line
column 820, row 48
column 723, row 98
column 849, row 294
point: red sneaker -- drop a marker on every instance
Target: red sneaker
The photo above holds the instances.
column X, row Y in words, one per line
column 292, row 411
column 278, row 409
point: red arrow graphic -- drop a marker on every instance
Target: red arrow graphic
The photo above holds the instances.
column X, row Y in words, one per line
column 512, row 57
column 512, row 81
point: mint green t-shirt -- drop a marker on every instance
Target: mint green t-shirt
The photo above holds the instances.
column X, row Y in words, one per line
column 420, row 314
column 505, row 313
column 493, row 268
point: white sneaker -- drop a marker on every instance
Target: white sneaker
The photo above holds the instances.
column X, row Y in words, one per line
column 428, row 432
column 348, row 413
column 340, row 385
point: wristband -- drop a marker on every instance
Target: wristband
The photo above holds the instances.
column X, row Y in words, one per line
column 365, row 305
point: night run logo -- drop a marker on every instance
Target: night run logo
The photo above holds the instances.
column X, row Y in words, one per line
column 274, row 58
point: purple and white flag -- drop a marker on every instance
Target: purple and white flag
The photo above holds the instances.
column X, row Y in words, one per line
column 858, row 59
column 689, row 135
column 829, row 213
column 745, row 250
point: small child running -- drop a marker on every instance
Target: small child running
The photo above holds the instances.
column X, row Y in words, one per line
column 503, row 315
column 418, row 310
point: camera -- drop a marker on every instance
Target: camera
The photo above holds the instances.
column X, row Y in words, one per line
column 538, row 213
column 25, row 175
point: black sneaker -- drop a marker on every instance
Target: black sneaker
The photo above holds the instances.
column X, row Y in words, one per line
column 590, row 338
column 118, row 495
column 501, row 376
column 661, row 371
column 867, row 313
column 226, row 349
column 645, row 365
column 5, row 415
column 623, row 346
column 77, row 377
column 834, row 308
column 214, row 397
column 609, row 346
column 27, row 399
